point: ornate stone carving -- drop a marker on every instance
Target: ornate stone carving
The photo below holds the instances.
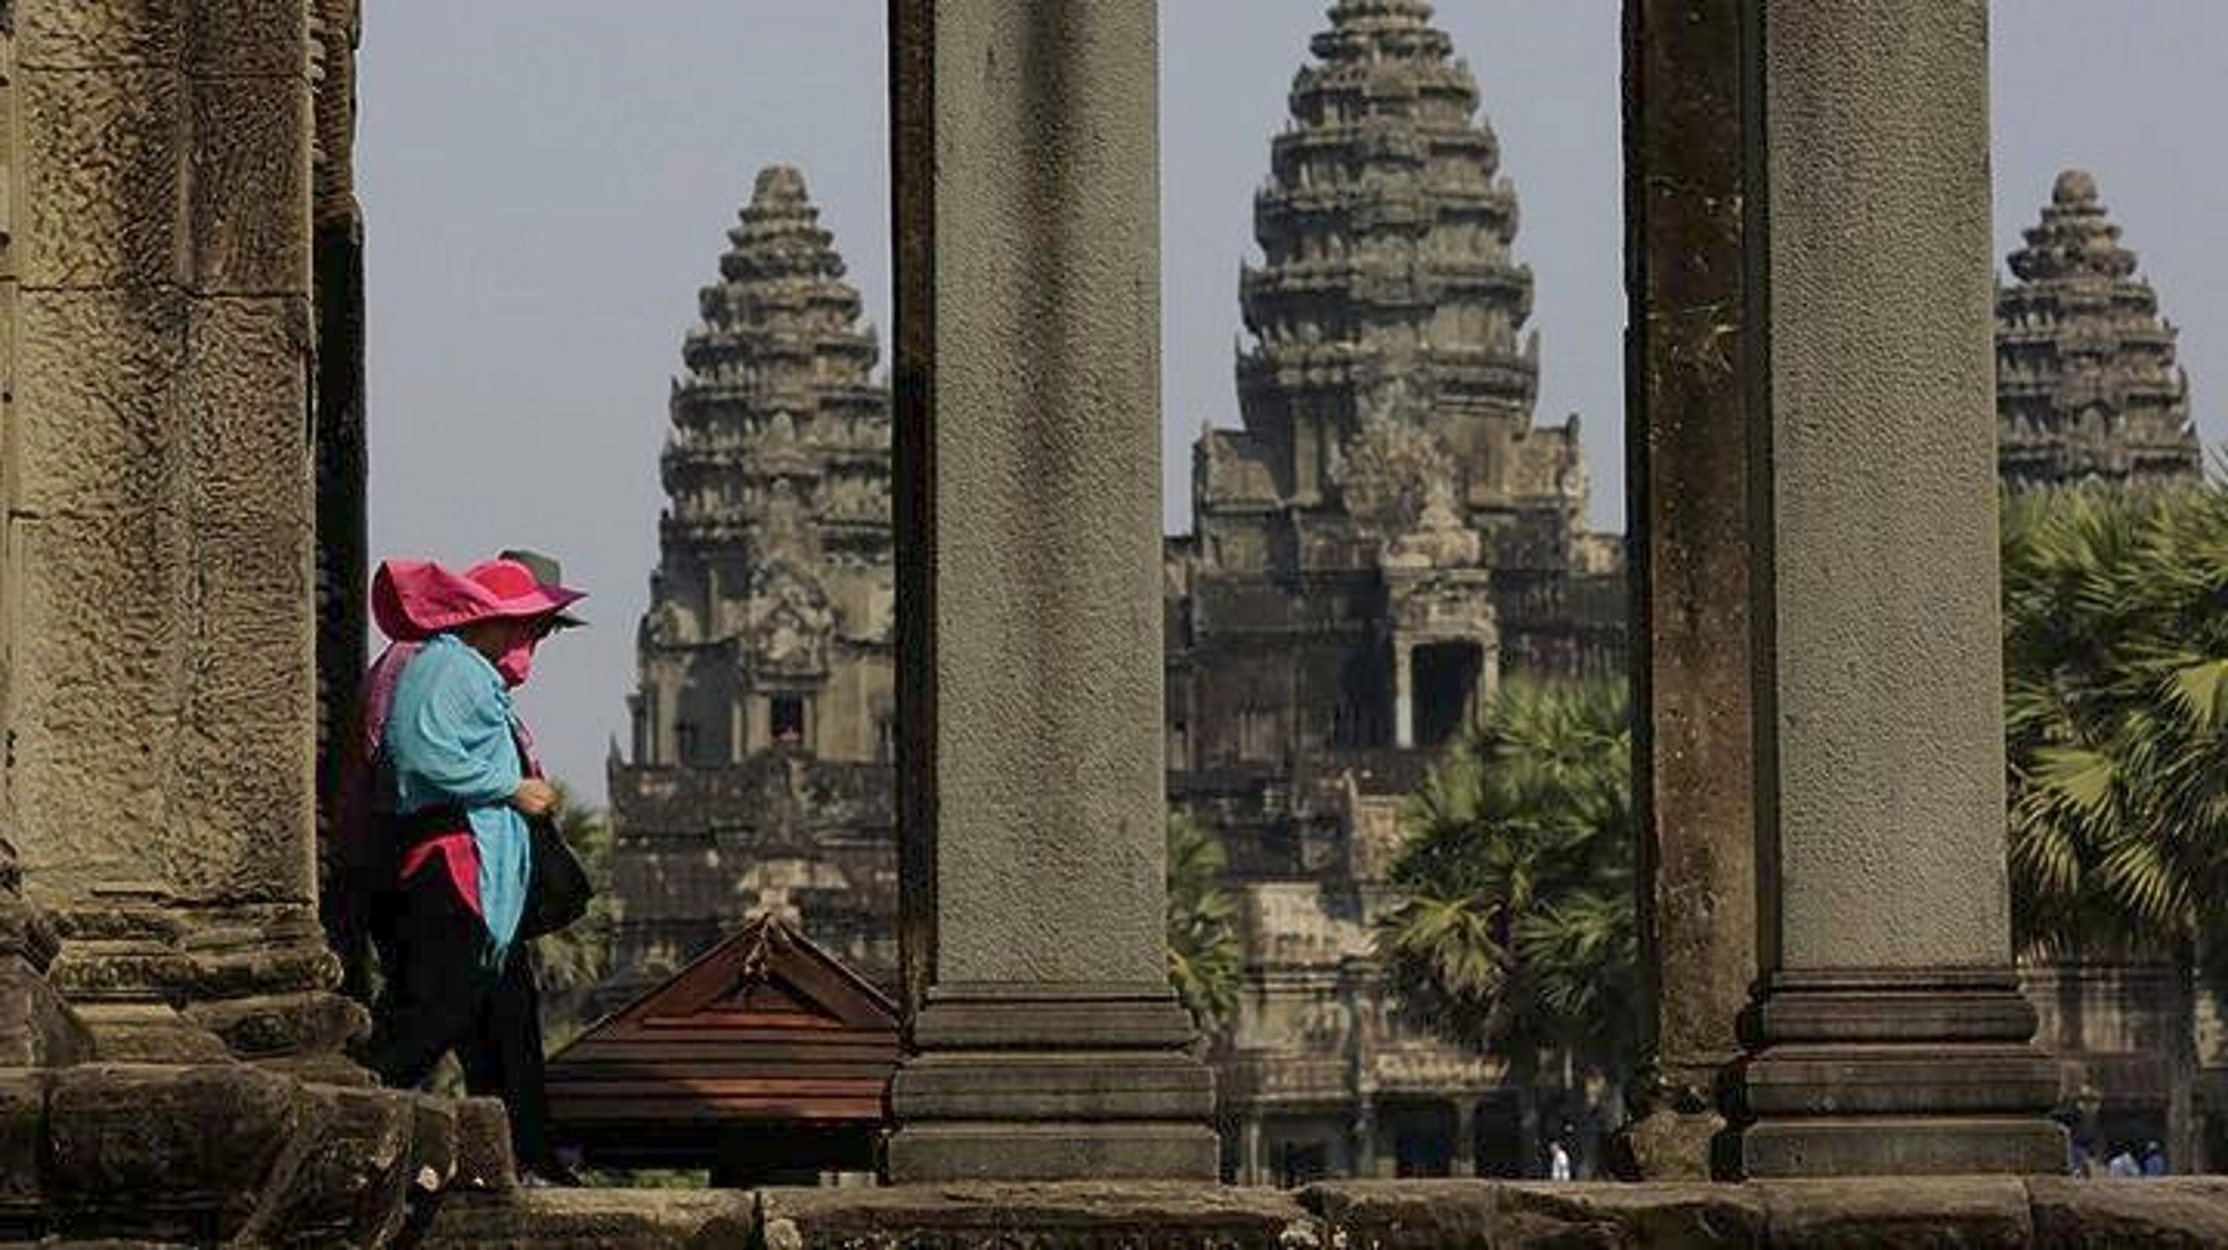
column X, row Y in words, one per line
column 788, row 623
column 1392, row 467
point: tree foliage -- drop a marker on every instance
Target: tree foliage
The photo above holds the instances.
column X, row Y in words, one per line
column 1205, row 958
column 2116, row 671
column 1515, row 930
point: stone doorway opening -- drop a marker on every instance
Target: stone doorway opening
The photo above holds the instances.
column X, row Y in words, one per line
column 1446, row 676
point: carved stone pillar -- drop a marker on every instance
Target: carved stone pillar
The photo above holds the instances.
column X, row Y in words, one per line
column 161, row 712
column 1048, row 1043
column 1888, row 1033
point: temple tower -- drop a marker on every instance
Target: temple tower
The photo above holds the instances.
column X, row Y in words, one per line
column 759, row 775
column 1388, row 292
column 2087, row 388
column 1384, row 535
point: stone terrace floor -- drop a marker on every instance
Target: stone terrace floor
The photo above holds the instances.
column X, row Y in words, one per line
column 1947, row 1211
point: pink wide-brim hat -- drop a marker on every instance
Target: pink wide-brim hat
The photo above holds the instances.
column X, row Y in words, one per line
column 412, row 600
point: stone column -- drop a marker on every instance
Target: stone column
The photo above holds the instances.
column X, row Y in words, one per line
column 161, row 708
column 1888, row 1032
column 36, row 1028
column 1250, row 1164
column 1361, row 1139
column 1466, row 1136
column 1046, row 1040
column 1695, row 544
column 1489, row 674
column 1404, row 693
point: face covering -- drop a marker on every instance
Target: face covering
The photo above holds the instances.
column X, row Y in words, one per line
column 516, row 663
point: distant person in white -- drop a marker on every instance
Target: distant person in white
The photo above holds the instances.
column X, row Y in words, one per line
column 1558, row 1162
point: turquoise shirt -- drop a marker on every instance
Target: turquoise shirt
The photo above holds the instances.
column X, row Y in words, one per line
column 450, row 742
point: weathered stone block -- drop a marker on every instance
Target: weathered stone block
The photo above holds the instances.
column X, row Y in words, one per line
column 72, row 34
column 1038, row 1087
column 100, row 571
column 241, row 781
column 2187, row 1212
column 1860, row 1146
column 37, row 1028
column 1629, row 1215
column 236, row 38
column 1484, row 1213
column 165, row 1152
column 484, row 1160
column 589, row 1219
column 22, row 1153
column 1670, row 1145
column 1417, row 1213
column 275, row 1026
column 271, row 948
column 433, row 1136
column 1070, row 1151
column 345, row 1177
column 1142, row 1216
column 97, row 373
column 102, row 171
column 1914, row 1211
column 250, row 160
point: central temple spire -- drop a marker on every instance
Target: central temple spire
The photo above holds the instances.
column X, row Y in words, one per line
column 760, row 771
column 1385, row 536
column 2087, row 388
column 1387, row 286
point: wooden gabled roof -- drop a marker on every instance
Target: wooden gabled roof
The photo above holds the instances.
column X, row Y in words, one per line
column 765, row 1029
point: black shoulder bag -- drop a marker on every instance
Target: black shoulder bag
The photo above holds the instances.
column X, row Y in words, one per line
column 558, row 889
column 557, row 886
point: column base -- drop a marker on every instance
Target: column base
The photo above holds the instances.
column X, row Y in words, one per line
column 1895, row 1072
column 167, row 984
column 1052, row 1082
column 1677, row 1131
column 1072, row 1151
column 1670, row 1145
column 1904, row 1146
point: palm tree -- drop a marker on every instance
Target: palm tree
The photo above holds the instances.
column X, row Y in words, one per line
column 1204, row 954
column 1515, row 932
column 2116, row 672
column 2116, row 668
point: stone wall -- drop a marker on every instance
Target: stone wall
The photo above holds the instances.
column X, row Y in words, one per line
column 696, row 850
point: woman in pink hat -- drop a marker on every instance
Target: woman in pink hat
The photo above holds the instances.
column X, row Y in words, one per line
column 456, row 787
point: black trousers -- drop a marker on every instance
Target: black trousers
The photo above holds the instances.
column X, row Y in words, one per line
column 441, row 996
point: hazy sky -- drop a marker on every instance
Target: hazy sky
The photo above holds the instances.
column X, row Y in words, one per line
column 547, row 183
